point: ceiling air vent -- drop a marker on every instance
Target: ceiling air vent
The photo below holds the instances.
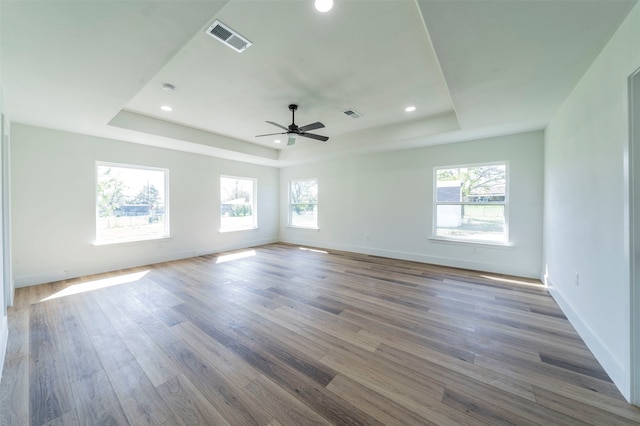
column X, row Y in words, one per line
column 226, row 35
column 352, row 113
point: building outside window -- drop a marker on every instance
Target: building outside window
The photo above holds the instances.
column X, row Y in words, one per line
column 131, row 203
column 471, row 203
column 237, row 204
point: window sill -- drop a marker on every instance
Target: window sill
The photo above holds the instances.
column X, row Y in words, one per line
column 130, row 242
column 441, row 240
column 226, row 231
column 303, row 228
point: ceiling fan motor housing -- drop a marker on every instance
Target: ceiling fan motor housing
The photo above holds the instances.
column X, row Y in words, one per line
column 293, row 130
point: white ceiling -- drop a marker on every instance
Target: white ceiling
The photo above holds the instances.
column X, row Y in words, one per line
column 472, row 68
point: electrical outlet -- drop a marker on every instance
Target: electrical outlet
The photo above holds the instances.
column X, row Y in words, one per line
column 577, row 279
column 367, row 238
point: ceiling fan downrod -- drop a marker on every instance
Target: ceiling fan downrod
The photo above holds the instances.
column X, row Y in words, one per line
column 293, row 108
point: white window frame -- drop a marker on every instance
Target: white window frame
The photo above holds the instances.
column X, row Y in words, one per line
column 254, row 204
column 290, row 204
column 167, row 228
column 505, row 204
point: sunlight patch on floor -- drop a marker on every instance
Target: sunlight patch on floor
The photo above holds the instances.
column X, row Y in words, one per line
column 313, row 250
column 97, row 284
column 512, row 281
column 235, row 256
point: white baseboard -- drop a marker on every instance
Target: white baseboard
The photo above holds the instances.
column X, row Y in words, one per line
column 52, row 276
column 74, row 272
column 422, row 258
column 614, row 367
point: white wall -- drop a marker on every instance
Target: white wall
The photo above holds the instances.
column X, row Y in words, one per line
column 53, row 205
column 389, row 197
column 634, row 258
column 4, row 328
column 586, row 224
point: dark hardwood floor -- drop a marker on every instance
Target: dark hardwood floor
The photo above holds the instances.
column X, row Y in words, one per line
column 278, row 335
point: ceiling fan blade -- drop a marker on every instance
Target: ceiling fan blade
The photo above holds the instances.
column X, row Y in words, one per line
column 312, row 126
column 271, row 134
column 277, row 125
column 314, row 136
column 291, row 141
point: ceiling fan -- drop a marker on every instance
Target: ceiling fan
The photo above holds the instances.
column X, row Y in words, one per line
column 294, row 131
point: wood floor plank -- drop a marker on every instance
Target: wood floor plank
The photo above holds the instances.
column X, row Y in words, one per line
column 39, row 292
column 377, row 405
column 262, row 305
column 244, row 332
column 336, row 329
column 147, row 354
column 69, row 418
column 49, row 388
column 301, row 385
column 495, row 406
column 417, row 402
column 188, row 404
column 392, row 312
column 21, row 299
column 609, row 402
column 583, row 412
column 392, row 387
column 227, row 363
column 14, row 392
column 527, row 318
column 139, row 399
column 285, row 335
column 80, row 355
column 111, row 350
column 282, row 405
column 541, row 371
column 456, row 372
column 18, row 338
column 527, row 338
column 484, row 412
column 227, row 398
column 155, row 323
column 292, row 339
column 157, row 300
column 96, row 402
column 458, row 345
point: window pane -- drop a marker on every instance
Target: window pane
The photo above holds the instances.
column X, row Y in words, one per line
column 304, row 215
column 236, row 204
column 481, row 184
column 303, row 203
column 484, row 184
column 448, row 186
column 131, row 204
column 304, row 191
column 471, row 222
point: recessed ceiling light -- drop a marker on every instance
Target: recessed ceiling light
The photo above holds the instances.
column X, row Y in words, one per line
column 323, row 5
column 410, row 108
column 277, row 141
column 166, row 108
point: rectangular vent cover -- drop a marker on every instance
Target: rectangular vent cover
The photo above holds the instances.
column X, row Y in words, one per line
column 352, row 113
column 226, row 35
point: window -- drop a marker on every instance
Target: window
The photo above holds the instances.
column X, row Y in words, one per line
column 471, row 203
column 131, row 203
column 303, row 203
column 237, row 204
